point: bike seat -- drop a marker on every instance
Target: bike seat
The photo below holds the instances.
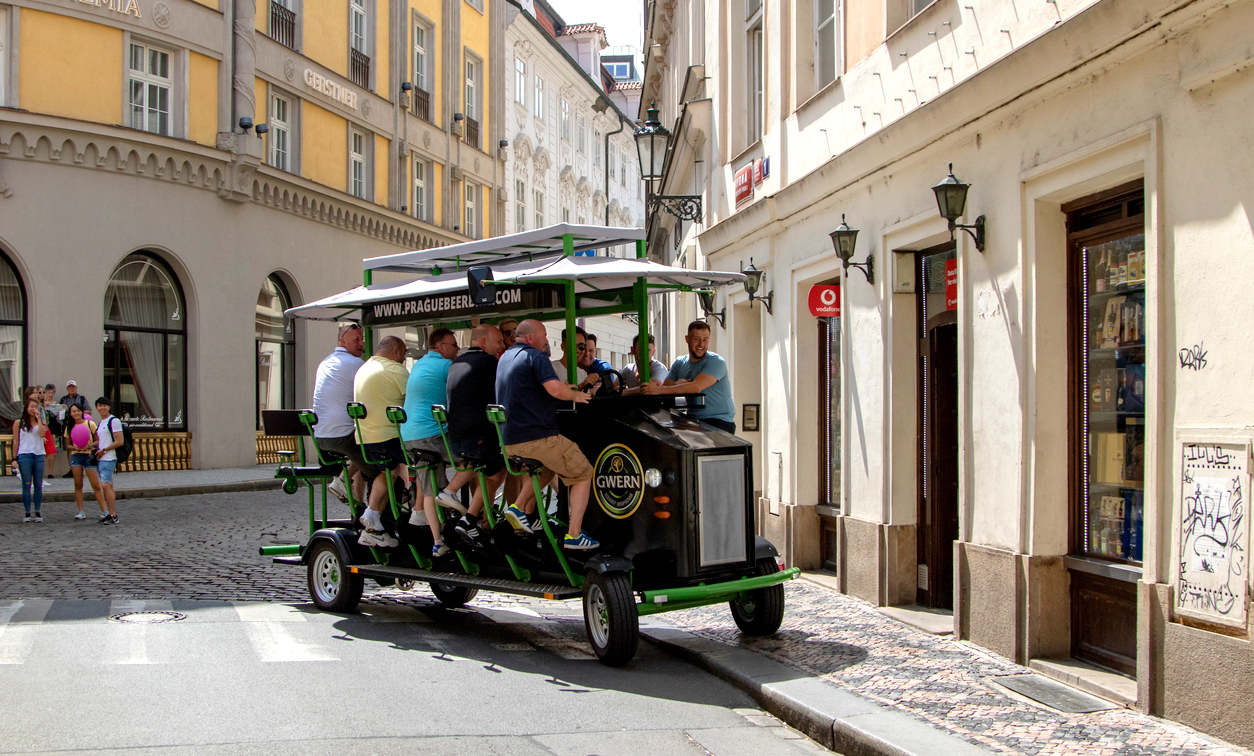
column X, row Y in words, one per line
column 528, row 465
column 332, row 455
column 310, row 471
column 470, row 461
column 428, row 458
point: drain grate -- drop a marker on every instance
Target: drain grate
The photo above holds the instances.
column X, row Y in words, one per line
column 147, row 618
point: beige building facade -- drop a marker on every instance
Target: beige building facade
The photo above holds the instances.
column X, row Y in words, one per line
column 1050, row 436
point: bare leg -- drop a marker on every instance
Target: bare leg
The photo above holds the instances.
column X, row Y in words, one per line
column 108, row 497
column 459, row 480
column 578, row 504
column 78, row 486
column 379, row 492
column 527, row 497
column 476, row 501
column 433, row 520
column 94, row 478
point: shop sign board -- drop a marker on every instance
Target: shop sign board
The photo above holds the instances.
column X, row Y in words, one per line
column 744, row 184
column 458, row 305
column 951, row 284
column 825, row 301
column 125, row 7
column 335, row 91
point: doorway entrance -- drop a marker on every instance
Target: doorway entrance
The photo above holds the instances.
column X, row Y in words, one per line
column 938, row 425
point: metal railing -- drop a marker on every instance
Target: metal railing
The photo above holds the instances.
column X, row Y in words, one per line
column 359, row 68
column 422, row 104
column 472, row 132
column 282, row 25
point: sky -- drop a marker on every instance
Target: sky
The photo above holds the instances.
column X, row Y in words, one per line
column 621, row 19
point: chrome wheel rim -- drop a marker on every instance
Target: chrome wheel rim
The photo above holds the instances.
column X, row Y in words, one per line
column 404, row 585
column 597, row 612
column 327, row 576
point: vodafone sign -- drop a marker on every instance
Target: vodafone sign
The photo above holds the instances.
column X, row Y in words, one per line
column 825, row 301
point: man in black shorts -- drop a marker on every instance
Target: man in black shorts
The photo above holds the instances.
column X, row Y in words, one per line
column 471, row 388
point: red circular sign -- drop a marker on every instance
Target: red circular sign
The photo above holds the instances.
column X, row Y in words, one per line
column 825, row 301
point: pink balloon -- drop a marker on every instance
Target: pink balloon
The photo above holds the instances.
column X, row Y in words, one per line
column 80, row 436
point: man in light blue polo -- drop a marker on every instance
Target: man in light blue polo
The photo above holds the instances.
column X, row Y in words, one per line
column 428, row 385
column 701, row 371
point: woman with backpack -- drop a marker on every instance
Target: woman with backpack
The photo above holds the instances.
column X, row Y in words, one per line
column 83, row 458
column 109, row 436
column 29, row 431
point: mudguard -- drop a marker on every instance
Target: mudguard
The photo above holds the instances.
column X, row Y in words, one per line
column 763, row 549
column 603, row 564
column 343, row 539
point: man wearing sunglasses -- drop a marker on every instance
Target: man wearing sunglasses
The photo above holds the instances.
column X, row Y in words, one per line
column 333, row 390
column 582, row 379
column 508, row 326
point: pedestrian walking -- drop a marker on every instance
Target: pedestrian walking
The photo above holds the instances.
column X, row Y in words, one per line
column 109, row 437
column 29, row 432
column 81, row 445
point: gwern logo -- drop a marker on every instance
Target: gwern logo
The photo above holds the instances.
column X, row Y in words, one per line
column 618, row 481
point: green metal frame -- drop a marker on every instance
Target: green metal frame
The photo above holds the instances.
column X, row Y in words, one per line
column 357, row 411
column 674, row 599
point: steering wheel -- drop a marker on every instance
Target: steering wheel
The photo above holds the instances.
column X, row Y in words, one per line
column 608, row 387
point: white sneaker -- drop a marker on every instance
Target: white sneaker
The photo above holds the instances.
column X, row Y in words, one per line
column 28, row 518
column 378, row 538
column 337, row 487
column 371, row 523
column 450, row 501
column 418, row 518
column 80, row 516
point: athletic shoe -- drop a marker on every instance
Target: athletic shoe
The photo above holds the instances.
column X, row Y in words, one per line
column 27, row 518
column 418, row 518
column 39, row 517
column 371, row 523
column 336, row 487
column 113, row 519
column 450, row 501
column 438, row 549
column 518, row 519
column 380, row 538
column 103, row 518
column 579, row 543
column 468, row 529
column 80, row 516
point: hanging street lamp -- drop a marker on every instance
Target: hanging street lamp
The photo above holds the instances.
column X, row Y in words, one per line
column 652, row 143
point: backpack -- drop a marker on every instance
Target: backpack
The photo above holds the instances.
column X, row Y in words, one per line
column 128, row 442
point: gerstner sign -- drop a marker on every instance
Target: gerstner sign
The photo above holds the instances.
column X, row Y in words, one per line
column 329, row 88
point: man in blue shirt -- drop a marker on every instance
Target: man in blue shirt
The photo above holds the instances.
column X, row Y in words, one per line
column 701, row 371
column 427, row 385
column 527, row 385
column 595, row 365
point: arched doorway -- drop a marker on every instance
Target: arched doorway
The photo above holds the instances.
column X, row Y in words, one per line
column 145, row 345
column 12, row 340
column 275, row 348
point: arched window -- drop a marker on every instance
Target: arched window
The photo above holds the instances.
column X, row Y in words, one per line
column 276, row 349
column 145, row 345
column 12, row 340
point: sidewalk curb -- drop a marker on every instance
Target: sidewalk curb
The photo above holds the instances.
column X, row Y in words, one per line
column 15, row 497
column 834, row 718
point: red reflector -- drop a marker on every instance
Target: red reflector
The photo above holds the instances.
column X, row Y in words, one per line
column 662, row 515
column 662, row 499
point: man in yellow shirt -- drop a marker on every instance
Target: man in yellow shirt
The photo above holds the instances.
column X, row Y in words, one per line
column 379, row 384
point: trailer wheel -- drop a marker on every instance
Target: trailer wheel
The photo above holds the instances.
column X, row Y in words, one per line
column 760, row 612
column 453, row 596
column 609, row 615
column 332, row 586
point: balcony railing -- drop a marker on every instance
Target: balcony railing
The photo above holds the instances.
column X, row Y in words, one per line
column 472, row 132
column 422, row 104
column 282, row 25
column 359, row 68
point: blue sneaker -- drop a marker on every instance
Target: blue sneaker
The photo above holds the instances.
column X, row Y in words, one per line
column 518, row 519
column 581, row 542
column 438, row 549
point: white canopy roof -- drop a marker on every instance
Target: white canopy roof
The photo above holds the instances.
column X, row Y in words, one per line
column 590, row 274
column 528, row 245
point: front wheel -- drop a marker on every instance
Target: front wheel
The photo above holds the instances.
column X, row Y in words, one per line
column 609, row 615
column 332, row 586
column 760, row 612
column 453, row 596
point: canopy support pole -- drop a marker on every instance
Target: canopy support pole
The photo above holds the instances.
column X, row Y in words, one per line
column 572, row 345
column 644, row 355
column 367, row 278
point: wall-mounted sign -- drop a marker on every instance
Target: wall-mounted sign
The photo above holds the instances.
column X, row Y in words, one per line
column 757, row 172
column 744, row 184
column 320, row 83
column 455, row 305
column 749, row 417
column 125, row 7
column 951, row 284
column 825, row 301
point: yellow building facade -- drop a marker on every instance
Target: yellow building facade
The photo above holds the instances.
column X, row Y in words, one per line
column 187, row 168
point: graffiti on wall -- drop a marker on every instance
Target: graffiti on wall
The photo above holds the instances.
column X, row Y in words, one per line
column 1214, row 532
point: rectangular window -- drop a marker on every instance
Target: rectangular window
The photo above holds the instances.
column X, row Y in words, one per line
column 4, row 61
column 520, row 205
column 583, row 135
column 472, row 210
column 826, row 41
column 539, row 208
column 619, row 70
column 753, row 80
column 357, row 26
column 472, row 88
column 565, row 215
column 622, row 165
column 283, row 23
column 151, row 90
column 520, row 81
column 280, row 133
column 357, row 163
column 610, row 162
column 538, row 109
column 565, row 121
column 596, row 148
column 421, row 32
column 421, row 203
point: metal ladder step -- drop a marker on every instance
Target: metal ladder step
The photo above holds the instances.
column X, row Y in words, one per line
column 501, row 585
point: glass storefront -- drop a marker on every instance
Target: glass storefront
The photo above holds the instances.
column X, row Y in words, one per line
column 276, row 349
column 12, row 341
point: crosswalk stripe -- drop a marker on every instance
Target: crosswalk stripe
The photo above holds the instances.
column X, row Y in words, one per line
column 129, row 642
column 273, row 643
column 18, row 635
column 255, row 611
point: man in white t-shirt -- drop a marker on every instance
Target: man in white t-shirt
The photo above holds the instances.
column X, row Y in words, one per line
column 109, row 437
column 333, row 390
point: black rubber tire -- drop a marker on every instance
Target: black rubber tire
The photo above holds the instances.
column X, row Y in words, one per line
column 332, row 587
column 760, row 612
column 453, row 596
column 610, row 617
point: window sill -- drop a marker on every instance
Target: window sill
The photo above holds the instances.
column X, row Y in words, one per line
column 746, row 152
column 826, row 511
column 828, row 87
column 927, row 10
column 1114, row 570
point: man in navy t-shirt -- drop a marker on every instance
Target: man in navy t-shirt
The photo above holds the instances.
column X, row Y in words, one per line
column 701, row 371
column 526, row 385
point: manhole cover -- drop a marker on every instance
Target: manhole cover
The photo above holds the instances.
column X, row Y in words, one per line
column 148, row 618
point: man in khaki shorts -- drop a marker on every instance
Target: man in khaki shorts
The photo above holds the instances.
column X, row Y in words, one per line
column 527, row 386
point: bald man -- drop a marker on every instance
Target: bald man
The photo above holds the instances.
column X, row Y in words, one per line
column 379, row 384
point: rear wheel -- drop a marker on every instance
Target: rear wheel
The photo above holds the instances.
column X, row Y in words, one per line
column 453, row 595
column 332, row 586
column 760, row 612
column 609, row 615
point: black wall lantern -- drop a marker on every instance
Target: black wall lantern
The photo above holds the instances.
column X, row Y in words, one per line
column 951, row 200
column 753, row 284
column 652, row 140
column 707, row 306
column 844, row 239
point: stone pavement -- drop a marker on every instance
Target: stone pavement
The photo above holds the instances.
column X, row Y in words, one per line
column 153, row 484
column 946, row 683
